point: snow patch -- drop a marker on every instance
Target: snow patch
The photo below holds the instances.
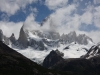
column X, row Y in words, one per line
column 34, row 37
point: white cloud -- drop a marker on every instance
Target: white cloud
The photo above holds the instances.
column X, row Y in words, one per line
column 10, row 27
column 54, row 4
column 34, row 10
column 87, row 18
column 12, row 6
column 30, row 23
column 63, row 20
column 96, row 1
column 95, row 35
column 91, row 16
column 97, row 16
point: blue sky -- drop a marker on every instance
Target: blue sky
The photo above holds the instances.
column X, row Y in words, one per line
column 42, row 10
column 82, row 16
column 21, row 14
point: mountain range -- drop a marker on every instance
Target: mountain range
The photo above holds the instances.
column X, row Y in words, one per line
column 41, row 52
column 43, row 40
column 32, row 42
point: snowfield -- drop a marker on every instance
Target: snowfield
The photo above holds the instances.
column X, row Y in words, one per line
column 74, row 51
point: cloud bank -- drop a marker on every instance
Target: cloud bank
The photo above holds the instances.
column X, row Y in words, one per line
column 54, row 4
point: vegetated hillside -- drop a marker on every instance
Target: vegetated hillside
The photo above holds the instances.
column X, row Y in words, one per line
column 13, row 63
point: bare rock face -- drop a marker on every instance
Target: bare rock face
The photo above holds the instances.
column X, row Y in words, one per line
column 36, row 44
column 73, row 37
column 13, row 39
column 6, row 40
column 23, row 40
column 1, row 35
column 53, row 35
column 3, row 38
column 83, row 39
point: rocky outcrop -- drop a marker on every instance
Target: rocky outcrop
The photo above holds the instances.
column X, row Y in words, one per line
column 4, row 38
column 83, row 39
column 23, row 40
column 52, row 58
column 26, row 40
column 73, row 37
column 39, row 45
column 53, row 35
column 13, row 39
column 1, row 35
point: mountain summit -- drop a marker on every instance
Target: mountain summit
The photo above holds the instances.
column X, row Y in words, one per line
column 23, row 40
column 42, row 40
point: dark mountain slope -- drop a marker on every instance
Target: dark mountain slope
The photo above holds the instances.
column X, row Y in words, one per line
column 52, row 58
column 80, row 66
column 13, row 63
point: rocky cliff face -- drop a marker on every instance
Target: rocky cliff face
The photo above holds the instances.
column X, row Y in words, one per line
column 73, row 37
column 1, row 35
column 4, row 38
column 23, row 40
column 53, row 35
column 83, row 39
column 26, row 38
column 13, row 39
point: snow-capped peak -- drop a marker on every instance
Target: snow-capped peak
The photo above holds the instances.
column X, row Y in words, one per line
column 94, row 51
